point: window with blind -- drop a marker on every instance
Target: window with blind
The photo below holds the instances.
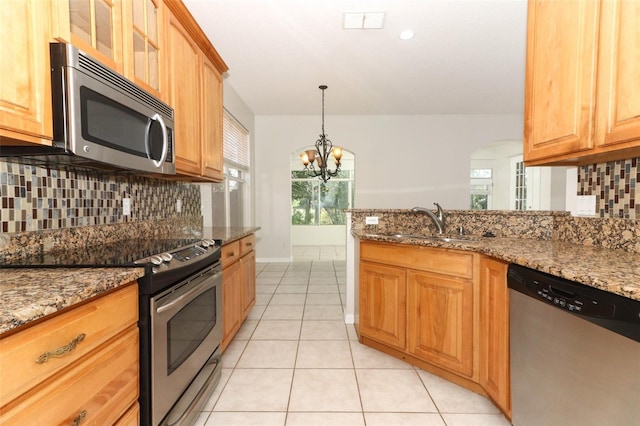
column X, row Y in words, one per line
column 230, row 198
column 236, row 142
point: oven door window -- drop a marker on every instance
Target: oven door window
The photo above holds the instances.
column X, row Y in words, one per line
column 189, row 327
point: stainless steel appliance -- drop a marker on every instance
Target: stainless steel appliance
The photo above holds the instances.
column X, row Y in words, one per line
column 575, row 353
column 101, row 120
column 180, row 332
column 180, row 317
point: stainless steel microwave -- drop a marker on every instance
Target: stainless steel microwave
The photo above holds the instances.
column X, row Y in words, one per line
column 102, row 120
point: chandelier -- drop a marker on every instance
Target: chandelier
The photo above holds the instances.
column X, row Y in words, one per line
column 320, row 155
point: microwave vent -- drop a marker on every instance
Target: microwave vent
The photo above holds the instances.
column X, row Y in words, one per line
column 123, row 84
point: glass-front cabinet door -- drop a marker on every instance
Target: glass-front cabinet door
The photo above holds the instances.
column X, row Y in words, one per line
column 142, row 42
column 94, row 26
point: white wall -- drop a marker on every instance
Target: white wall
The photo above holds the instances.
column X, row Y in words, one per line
column 238, row 109
column 401, row 162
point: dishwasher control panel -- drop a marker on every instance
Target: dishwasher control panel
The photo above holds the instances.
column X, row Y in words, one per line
column 570, row 299
column 571, row 296
column 608, row 310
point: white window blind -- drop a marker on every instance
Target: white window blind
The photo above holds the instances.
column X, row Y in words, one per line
column 236, row 142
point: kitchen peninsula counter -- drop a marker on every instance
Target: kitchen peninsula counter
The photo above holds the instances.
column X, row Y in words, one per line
column 28, row 294
column 615, row 271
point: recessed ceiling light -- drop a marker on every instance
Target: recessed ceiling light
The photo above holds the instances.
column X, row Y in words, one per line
column 406, row 34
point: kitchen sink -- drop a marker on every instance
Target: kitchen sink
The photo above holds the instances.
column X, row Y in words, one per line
column 441, row 238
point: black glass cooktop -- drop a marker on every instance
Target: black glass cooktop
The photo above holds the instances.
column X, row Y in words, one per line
column 123, row 253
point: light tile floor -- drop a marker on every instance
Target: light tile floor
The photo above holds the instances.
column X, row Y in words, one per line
column 309, row 253
column 295, row 362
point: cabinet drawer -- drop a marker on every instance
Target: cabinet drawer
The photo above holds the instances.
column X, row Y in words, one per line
column 443, row 261
column 230, row 253
column 247, row 244
column 98, row 390
column 131, row 417
column 98, row 321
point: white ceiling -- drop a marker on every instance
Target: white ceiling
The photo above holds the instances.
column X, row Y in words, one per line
column 467, row 56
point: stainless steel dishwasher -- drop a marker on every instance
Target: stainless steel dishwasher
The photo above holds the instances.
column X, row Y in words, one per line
column 575, row 353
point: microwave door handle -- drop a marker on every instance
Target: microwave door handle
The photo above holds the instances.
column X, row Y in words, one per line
column 165, row 140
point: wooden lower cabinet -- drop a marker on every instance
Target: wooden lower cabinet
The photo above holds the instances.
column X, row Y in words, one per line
column 231, row 302
column 451, row 321
column 440, row 311
column 248, row 277
column 494, row 333
column 131, row 417
column 383, row 295
column 95, row 381
column 238, row 285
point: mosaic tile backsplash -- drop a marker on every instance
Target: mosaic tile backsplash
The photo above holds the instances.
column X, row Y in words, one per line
column 614, row 185
column 35, row 198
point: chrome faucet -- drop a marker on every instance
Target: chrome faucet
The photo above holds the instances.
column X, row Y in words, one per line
column 438, row 220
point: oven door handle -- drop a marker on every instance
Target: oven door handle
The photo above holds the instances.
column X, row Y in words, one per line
column 188, row 294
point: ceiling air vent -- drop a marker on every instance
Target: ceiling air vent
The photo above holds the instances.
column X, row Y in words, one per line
column 363, row 20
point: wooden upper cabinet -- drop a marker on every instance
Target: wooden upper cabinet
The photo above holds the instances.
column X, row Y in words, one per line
column 142, row 22
column 211, row 121
column 154, row 43
column 618, row 115
column 560, row 78
column 582, row 92
column 94, row 26
column 25, row 82
column 183, row 91
column 194, row 90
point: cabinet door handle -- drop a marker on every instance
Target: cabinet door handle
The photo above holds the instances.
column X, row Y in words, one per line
column 61, row 351
column 79, row 418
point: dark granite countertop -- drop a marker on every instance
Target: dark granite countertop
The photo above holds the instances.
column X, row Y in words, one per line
column 615, row 271
column 228, row 234
column 28, row 294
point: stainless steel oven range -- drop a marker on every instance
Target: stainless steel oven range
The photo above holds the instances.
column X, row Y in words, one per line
column 180, row 332
column 180, row 317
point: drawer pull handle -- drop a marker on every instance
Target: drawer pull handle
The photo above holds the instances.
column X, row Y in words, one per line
column 231, row 254
column 249, row 244
column 79, row 418
column 61, row 351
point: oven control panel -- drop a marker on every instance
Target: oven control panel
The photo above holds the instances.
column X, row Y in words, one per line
column 188, row 254
column 182, row 256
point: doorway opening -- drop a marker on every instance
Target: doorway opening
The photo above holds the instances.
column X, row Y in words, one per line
column 318, row 220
